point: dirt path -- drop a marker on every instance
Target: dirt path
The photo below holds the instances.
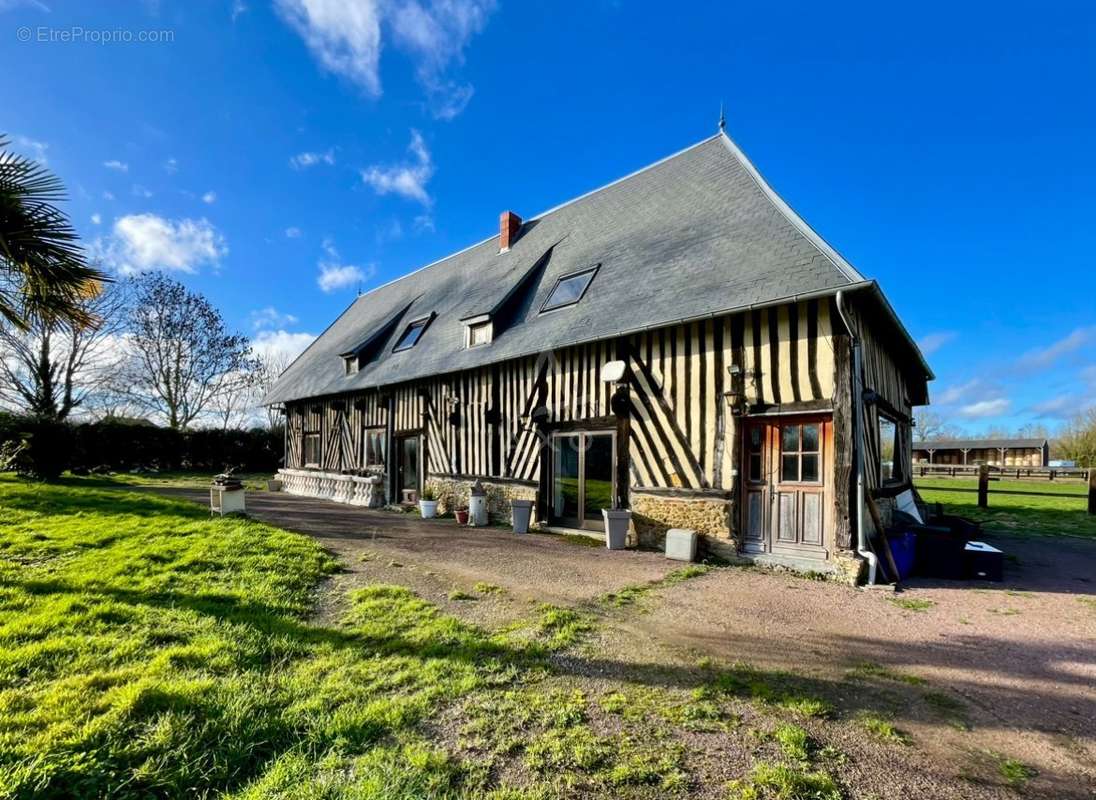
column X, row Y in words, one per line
column 977, row 673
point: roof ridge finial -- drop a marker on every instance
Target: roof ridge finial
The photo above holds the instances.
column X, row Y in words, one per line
column 722, row 119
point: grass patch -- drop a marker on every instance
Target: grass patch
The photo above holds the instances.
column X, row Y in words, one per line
column 460, row 595
column 632, row 595
column 777, row 689
column 1088, row 601
column 882, row 729
column 793, row 741
column 1015, row 773
column 869, row 669
column 487, row 588
column 582, row 541
column 912, row 603
column 768, row 781
column 1061, row 511
column 562, row 627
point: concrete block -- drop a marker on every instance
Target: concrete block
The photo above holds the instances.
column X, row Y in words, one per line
column 681, row 544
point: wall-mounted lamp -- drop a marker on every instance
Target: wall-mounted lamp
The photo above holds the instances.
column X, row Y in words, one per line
column 734, row 370
column 613, row 372
column 734, row 402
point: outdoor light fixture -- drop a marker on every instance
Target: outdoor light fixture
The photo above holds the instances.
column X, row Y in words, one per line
column 734, row 370
column 613, row 372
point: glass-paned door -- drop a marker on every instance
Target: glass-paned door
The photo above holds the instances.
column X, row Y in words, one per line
column 407, row 470
column 583, row 478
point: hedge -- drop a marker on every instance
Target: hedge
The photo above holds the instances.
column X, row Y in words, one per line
column 49, row 448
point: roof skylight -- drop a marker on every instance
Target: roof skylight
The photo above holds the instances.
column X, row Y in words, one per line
column 569, row 289
column 411, row 334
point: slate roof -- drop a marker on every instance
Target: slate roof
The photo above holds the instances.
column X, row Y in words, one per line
column 695, row 235
column 978, row 444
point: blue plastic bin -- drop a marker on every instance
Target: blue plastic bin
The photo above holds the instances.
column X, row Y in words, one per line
column 903, row 546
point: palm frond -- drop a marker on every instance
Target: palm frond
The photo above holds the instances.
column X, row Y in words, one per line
column 43, row 269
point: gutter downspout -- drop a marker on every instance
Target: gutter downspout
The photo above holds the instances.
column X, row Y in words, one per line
column 862, row 548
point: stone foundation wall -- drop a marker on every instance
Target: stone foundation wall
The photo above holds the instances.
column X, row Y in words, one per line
column 654, row 514
column 453, row 493
column 353, row 490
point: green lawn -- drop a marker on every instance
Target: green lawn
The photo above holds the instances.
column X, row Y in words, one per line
column 147, row 650
column 1023, row 514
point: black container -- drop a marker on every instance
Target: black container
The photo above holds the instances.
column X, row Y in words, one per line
column 983, row 563
column 940, row 553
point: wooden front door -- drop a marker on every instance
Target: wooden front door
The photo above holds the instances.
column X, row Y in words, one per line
column 787, row 465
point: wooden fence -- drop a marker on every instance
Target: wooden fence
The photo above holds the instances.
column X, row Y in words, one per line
column 1070, row 474
column 986, row 474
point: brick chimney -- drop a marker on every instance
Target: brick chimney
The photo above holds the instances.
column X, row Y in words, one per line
column 509, row 225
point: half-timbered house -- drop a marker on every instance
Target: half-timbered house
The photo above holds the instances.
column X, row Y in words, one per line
column 679, row 343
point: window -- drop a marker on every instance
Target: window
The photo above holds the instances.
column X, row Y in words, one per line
column 569, row 289
column 351, row 365
column 890, row 468
column 800, row 446
column 412, row 334
column 756, row 445
column 310, row 450
column 478, row 334
column 373, row 447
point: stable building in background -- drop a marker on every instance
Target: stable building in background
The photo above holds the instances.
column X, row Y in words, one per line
column 995, row 452
column 679, row 343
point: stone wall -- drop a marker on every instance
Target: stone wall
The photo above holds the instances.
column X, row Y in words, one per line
column 654, row 514
column 453, row 493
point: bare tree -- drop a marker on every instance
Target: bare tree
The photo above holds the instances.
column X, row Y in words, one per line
column 1077, row 439
column 55, row 366
column 271, row 367
column 931, row 425
column 182, row 356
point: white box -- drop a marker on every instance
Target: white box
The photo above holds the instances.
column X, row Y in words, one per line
column 226, row 501
column 681, row 544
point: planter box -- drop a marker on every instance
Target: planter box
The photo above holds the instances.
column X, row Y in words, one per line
column 428, row 508
column 617, row 524
column 522, row 511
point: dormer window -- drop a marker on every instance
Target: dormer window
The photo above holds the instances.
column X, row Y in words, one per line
column 412, row 333
column 478, row 330
column 569, row 289
column 351, row 364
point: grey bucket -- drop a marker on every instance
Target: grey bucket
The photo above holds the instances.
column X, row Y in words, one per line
column 522, row 511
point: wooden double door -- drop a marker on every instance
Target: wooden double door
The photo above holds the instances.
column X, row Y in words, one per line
column 787, row 479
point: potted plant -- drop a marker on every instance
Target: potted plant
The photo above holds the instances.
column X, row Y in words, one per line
column 428, row 503
column 617, row 523
column 462, row 516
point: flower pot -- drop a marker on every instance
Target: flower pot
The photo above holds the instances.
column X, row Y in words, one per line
column 617, row 522
column 428, row 508
column 274, row 485
column 462, row 516
column 522, row 511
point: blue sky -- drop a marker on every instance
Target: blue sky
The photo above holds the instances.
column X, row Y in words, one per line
column 277, row 155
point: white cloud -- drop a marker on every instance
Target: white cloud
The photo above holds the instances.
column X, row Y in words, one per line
column 115, row 164
column 209, row 198
column 932, row 342
column 335, row 275
column 96, row 219
column 239, row 7
column 108, row 195
column 1047, row 356
column 407, row 179
column 292, row 232
column 955, row 394
column 985, row 408
column 436, row 35
column 311, row 159
column 344, row 37
column 270, row 317
column 171, row 166
column 338, row 276
column 1059, row 406
column 140, row 242
column 34, row 148
column 141, row 191
column 281, row 345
